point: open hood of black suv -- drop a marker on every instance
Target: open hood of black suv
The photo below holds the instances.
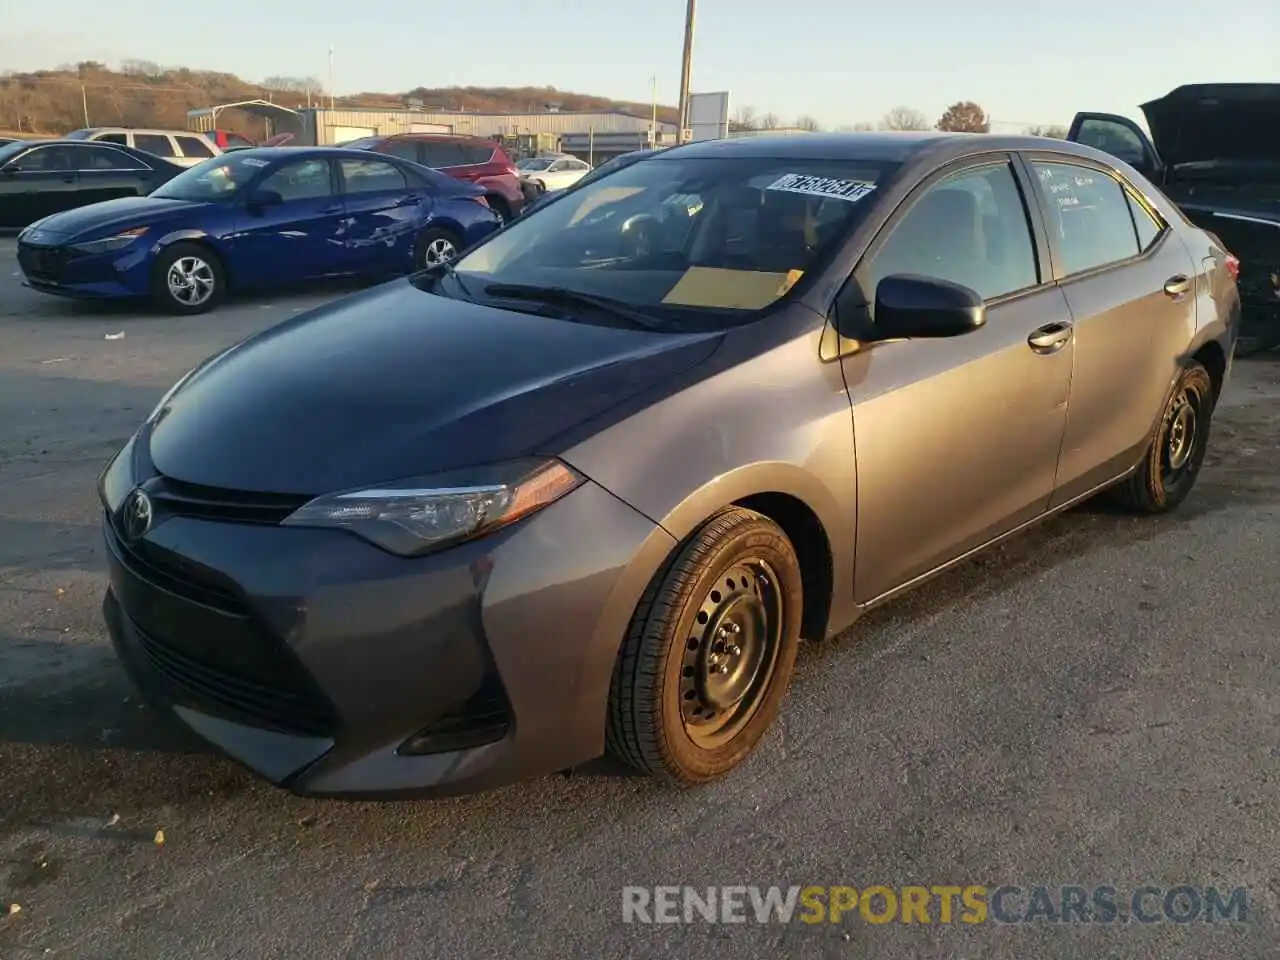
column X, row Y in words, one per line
column 1232, row 122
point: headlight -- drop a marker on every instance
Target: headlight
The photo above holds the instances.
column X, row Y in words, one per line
column 107, row 244
column 413, row 517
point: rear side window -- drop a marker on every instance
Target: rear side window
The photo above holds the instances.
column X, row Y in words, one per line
column 119, row 138
column 442, row 153
column 1089, row 214
column 1147, row 225
column 477, row 153
column 404, row 149
column 105, row 158
column 371, row 176
column 194, row 147
column 155, row 143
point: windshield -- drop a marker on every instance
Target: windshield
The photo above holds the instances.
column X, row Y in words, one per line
column 215, row 179
column 724, row 235
column 535, row 163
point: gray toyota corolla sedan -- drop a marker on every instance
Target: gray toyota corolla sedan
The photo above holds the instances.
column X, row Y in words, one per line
column 586, row 489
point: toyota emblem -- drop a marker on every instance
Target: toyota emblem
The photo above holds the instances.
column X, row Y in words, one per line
column 137, row 515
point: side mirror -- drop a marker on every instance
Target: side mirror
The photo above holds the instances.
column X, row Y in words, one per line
column 910, row 306
column 265, row 198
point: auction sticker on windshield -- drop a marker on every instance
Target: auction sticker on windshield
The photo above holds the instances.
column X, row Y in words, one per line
column 833, row 187
column 253, row 162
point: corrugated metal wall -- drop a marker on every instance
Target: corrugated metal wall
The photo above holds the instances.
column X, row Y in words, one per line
column 318, row 122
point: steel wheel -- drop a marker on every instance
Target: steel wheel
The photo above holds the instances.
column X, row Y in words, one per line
column 729, row 660
column 709, row 652
column 191, row 281
column 1173, row 459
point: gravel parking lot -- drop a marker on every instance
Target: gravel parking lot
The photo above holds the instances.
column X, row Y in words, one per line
column 1094, row 704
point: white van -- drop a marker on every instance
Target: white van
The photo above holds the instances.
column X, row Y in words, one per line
column 183, row 147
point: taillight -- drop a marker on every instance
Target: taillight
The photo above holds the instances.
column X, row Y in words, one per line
column 1233, row 266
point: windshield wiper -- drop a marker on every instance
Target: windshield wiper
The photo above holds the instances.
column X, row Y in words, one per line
column 572, row 298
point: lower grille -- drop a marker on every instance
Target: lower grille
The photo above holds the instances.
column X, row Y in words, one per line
column 274, row 707
column 42, row 263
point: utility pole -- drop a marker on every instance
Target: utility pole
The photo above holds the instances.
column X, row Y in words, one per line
column 653, row 128
column 686, row 69
column 331, row 76
column 84, row 102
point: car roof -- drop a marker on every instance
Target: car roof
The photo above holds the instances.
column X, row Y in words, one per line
column 889, row 147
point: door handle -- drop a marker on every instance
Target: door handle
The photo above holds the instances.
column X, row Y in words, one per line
column 1050, row 338
column 1177, row 286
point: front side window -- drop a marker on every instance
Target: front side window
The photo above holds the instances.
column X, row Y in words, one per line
column 300, row 180
column 218, row 178
column 371, row 176
column 156, row 143
column 119, row 138
column 724, row 235
column 970, row 229
column 1114, row 138
column 1088, row 214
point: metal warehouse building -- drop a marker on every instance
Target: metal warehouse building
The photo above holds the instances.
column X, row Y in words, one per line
column 323, row 126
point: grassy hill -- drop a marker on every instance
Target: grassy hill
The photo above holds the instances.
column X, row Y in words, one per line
column 142, row 94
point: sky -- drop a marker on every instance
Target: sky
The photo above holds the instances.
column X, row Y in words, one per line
column 837, row 61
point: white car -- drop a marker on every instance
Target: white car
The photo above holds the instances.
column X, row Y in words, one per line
column 553, row 173
column 185, row 148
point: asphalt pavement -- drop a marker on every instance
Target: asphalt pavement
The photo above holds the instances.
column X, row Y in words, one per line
column 1093, row 704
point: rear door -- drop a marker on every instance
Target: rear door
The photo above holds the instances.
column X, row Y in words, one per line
column 303, row 236
column 384, row 211
column 106, row 173
column 1130, row 285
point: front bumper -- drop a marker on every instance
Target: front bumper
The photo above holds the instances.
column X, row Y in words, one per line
column 314, row 659
column 62, row 270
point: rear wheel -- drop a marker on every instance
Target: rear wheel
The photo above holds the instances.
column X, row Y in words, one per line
column 188, row 278
column 1173, row 460
column 435, row 247
column 709, row 653
column 500, row 207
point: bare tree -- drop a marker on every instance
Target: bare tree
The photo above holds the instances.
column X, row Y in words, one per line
column 965, row 117
column 806, row 122
column 904, row 118
column 142, row 68
column 770, row 121
column 293, row 84
column 860, row 127
column 744, row 118
column 1051, row 130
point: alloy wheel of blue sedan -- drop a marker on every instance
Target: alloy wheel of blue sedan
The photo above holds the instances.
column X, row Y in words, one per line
column 437, row 251
column 191, row 281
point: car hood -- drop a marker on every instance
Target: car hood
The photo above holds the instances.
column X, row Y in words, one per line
column 1216, row 121
column 108, row 215
column 395, row 383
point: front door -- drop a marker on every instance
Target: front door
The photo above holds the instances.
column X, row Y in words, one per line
column 303, row 235
column 957, row 440
column 37, row 183
column 1130, row 283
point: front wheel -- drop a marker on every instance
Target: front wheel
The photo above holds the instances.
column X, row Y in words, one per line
column 1172, row 462
column 709, row 653
column 435, row 247
column 188, row 279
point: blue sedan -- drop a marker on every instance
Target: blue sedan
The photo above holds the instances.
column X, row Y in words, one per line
column 254, row 219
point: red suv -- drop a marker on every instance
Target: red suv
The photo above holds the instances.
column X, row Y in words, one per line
column 474, row 159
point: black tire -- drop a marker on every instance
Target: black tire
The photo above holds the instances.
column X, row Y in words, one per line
column 739, row 569
column 1172, row 462
column 428, row 243
column 499, row 206
column 206, row 279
